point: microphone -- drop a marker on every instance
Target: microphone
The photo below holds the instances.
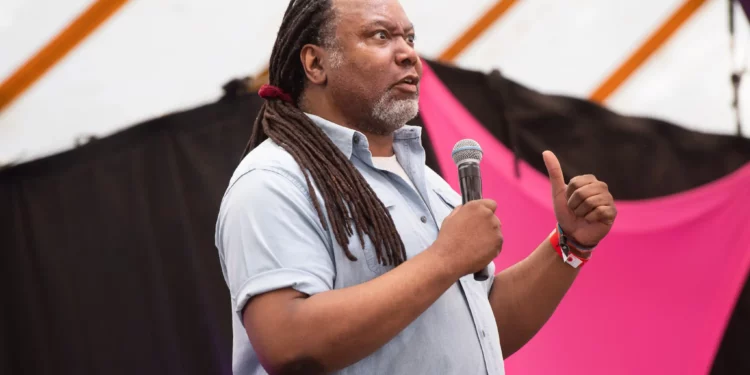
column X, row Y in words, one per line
column 467, row 154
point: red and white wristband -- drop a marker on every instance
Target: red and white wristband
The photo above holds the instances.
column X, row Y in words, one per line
column 563, row 244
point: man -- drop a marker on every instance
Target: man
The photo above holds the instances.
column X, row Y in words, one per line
column 342, row 251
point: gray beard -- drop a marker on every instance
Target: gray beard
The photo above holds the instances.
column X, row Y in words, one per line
column 392, row 114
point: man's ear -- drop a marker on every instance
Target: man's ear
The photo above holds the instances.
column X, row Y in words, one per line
column 311, row 56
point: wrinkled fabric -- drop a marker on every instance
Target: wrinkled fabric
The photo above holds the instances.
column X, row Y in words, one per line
column 660, row 288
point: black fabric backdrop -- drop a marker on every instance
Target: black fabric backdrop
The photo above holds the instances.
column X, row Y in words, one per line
column 108, row 264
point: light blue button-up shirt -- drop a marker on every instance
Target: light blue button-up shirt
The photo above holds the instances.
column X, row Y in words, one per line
column 269, row 237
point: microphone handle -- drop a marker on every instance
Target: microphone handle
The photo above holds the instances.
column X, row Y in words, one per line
column 470, row 178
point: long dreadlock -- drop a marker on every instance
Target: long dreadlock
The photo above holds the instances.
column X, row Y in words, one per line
column 347, row 196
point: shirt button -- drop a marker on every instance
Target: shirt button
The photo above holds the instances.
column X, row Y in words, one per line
column 423, row 218
column 484, row 334
column 356, row 139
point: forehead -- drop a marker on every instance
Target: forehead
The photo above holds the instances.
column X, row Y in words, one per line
column 360, row 13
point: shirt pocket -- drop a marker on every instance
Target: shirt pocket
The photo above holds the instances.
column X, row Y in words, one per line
column 446, row 200
column 370, row 254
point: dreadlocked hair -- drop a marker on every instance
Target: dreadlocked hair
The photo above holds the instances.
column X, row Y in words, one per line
column 347, row 196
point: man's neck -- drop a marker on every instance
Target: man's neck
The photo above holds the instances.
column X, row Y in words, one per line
column 380, row 145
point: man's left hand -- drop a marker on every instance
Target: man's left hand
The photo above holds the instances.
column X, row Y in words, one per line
column 584, row 207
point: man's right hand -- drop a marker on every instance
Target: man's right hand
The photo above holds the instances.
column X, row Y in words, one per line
column 470, row 237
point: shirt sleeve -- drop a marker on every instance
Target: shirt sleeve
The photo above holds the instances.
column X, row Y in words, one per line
column 269, row 237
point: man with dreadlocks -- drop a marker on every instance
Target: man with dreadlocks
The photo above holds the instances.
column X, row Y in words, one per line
column 342, row 251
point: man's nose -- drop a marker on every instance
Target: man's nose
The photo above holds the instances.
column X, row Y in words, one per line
column 406, row 54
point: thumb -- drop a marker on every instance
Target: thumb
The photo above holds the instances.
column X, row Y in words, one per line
column 554, row 170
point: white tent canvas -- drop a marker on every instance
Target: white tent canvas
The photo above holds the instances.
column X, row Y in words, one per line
column 155, row 57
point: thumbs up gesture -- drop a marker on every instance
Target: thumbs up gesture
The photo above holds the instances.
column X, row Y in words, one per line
column 584, row 207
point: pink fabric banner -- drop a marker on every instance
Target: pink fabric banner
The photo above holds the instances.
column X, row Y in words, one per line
column 659, row 291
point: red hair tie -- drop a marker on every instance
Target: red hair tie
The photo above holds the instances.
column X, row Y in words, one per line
column 273, row 92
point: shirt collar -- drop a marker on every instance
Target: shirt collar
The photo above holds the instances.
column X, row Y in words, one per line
column 347, row 139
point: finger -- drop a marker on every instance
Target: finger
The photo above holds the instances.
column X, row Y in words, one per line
column 577, row 196
column 578, row 182
column 602, row 214
column 591, row 203
column 496, row 223
column 554, row 170
column 489, row 203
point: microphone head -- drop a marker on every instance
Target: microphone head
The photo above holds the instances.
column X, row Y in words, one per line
column 466, row 150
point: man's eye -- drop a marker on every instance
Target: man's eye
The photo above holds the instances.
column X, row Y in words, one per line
column 411, row 38
column 381, row 35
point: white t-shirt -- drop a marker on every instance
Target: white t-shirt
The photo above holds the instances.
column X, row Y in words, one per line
column 391, row 164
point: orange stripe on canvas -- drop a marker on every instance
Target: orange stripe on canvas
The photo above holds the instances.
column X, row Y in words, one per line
column 476, row 30
column 651, row 45
column 56, row 49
